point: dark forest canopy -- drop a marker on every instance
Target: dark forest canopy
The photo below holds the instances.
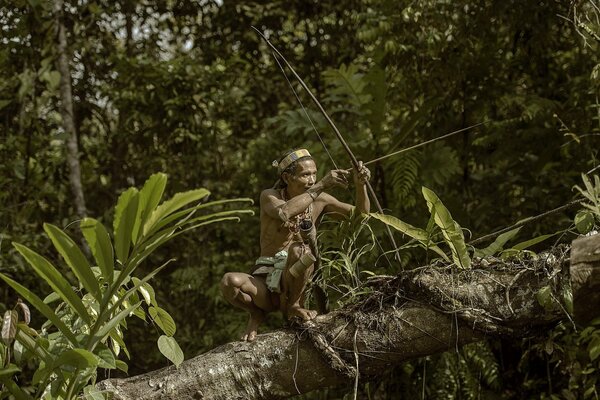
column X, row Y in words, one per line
column 190, row 90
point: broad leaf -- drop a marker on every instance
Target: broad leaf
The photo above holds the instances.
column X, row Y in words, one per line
column 150, row 196
column 497, row 245
column 108, row 326
column 99, row 241
column 55, row 279
column 9, row 370
column 9, row 326
column 169, row 348
column 175, row 203
column 74, row 258
column 163, row 319
column 535, row 240
column 35, row 301
column 584, row 221
column 125, row 215
column 76, row 359
column 416, row 233
column 106, row 358
column 450, row 229
column 14, row 389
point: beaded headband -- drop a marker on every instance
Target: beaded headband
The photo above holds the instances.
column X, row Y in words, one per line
column 290, row 158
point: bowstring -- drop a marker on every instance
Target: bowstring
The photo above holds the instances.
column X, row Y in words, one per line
column 304, row 109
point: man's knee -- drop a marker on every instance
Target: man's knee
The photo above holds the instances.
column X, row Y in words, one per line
column 230, row 281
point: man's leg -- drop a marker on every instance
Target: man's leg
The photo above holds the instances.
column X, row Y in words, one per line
column 293, row 287
column 249, row 293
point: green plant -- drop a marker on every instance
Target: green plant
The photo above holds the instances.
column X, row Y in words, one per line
column 589, row 217
column 440, row 221
column 85, row 331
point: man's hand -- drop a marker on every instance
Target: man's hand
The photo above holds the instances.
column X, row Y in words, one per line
column 362, row 175
column 335, row 178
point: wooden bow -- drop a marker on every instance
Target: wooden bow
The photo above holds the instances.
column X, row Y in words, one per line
column 353, row 159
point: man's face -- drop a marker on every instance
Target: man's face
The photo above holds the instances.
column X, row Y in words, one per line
column 303, row 179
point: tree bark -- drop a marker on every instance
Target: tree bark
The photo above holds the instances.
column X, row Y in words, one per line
column 419, row 312
column 66, row 110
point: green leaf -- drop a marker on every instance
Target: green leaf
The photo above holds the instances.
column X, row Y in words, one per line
column 146, row 291
column 497, row 245
column 594, row 349
column 534, row 241
column 416, row 233
column 76, row 358
column 15, row 390
column 99, row 241
column 110, row 325
column 9, row 370
column 163, row 319
column 450, row 229
column 55, row 279
column 584, row 221
column 122, row 366
column 9, row 326
column 74, row 258
column 544, row 297
column 189, row 211
column 150, row 196
column 175, row 203
column 92, row 393
column 125, row 215
column 34, row 346
column 106, row 358
column 169, row 348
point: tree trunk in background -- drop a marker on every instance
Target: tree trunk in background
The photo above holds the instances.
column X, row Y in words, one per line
column 66, row 110
column 419, row 312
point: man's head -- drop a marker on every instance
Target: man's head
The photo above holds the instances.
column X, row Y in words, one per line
column 296, row 167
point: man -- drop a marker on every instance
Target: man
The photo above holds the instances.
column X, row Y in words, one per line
column 289, row 214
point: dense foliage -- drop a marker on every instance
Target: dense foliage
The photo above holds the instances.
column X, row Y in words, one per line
column 188, row 89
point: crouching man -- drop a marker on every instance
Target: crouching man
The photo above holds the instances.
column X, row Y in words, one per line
column 289, row 213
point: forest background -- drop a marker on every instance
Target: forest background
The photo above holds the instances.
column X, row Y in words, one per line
column 187, row 88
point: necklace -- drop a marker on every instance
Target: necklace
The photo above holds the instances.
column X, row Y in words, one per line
column 294, row 223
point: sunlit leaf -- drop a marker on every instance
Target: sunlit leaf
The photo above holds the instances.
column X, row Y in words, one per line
column 99, row 241
column 150, row 196
column 76, row 358
column 169, row 348
column 74, row 258
column 416, row 233
column 54, row 278
column 175, row 203
column 125, row 214
column 497, row 245
column 450, row 229
column 25, row 310
column 9, row 326
column 163, row 319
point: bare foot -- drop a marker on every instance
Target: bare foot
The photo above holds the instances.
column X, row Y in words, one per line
column 251, row 329
column 301, row 313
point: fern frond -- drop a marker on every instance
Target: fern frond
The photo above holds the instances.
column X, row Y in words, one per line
column 403, row 172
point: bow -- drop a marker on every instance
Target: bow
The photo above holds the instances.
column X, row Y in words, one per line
column 341, row 139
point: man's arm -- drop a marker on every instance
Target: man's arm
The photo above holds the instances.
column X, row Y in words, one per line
column 277, row 208
column 363, row 204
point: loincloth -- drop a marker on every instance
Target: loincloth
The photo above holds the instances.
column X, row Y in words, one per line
column 272, row 267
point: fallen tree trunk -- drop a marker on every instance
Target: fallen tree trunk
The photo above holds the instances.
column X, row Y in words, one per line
column 419, row 312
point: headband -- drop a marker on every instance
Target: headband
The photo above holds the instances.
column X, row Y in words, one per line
column 290, row 158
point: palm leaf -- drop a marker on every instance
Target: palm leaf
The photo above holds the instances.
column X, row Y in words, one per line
column 74, row 258
column 99, row 241
column 35, row 301
column 55, row 279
